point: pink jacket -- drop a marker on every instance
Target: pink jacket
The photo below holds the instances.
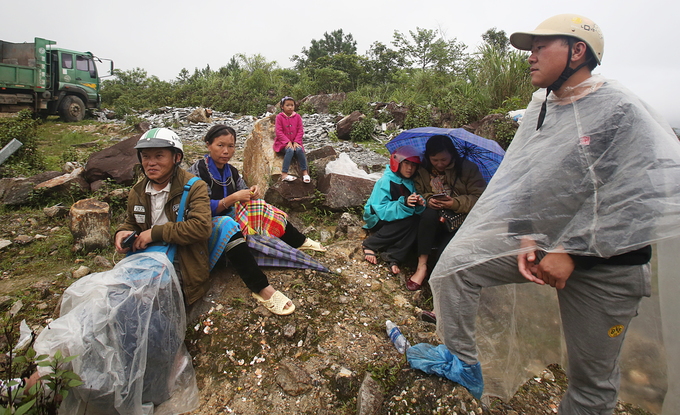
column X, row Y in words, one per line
column 288, row 129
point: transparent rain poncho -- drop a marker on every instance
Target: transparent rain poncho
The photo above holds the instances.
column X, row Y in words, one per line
column 127, row 326
column 600, row 178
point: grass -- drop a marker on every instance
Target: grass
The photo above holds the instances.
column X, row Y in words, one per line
column 57, row 139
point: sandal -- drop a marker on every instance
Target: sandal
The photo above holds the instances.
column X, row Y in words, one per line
column 306, row 178
column 276, row 303
column 369, row 253
column 312, row 245
column 289, row 178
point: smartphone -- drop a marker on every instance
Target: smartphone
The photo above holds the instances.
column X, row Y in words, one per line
column 440, row 196
column 129, row 240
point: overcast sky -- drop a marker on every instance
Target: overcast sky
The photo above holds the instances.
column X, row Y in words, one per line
column 163, row 37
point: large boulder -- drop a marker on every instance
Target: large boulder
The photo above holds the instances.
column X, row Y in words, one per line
column 344, row 192
column 200, row 115
column 116, row 162
column 398, row 114
column 320, row 102
column 318, row 159
column 15, row 191
column 344, row 126
column 66, row 183
column 295, row 195
column 260, row 164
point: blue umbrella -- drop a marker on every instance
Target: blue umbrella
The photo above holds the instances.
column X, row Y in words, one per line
column 486, row 154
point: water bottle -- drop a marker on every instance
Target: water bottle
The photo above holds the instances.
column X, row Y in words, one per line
column 397, row 338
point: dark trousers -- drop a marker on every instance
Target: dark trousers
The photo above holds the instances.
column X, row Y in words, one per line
column 393, row 239
column 238, row 253
column 432, row 233
column 292, row 236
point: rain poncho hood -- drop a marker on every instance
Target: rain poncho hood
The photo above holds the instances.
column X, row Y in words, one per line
column 601, row 177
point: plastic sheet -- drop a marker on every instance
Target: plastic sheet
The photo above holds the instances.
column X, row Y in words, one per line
column 127, row 327
column 600, row 178
column 345, row 166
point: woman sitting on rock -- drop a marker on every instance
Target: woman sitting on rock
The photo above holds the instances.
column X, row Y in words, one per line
column 451, row 185
column 392, row 212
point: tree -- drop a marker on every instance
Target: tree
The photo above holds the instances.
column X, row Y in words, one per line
column 496, row 39
column 428, row 49
column 384, row 62
column 331, row 44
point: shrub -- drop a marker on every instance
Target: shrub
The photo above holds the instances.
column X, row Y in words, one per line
column 417, row 116
column 363, row 130
column 356, row 102
column 27, row 158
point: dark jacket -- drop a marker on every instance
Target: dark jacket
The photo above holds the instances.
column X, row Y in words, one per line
column 191, row 235
column 469, row 185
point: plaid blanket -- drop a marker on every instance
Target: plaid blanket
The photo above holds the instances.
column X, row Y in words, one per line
column 259, row 217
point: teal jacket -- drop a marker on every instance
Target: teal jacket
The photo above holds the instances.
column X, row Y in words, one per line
column 385, row 202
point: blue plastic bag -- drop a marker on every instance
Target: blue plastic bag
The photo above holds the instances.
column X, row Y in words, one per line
column 441, row 362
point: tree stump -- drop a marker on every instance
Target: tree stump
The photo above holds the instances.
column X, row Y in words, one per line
column 90, row 222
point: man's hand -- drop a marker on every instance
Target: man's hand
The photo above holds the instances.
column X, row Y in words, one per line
column 526, row 261
column 555, row 268
column 142, row 241
column 118, row 240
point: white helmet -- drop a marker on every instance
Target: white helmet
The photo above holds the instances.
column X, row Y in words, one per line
column 572, row 25
column 160, row 138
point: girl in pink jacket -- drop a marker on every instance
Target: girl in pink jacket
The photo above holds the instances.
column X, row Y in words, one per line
column 289, row 139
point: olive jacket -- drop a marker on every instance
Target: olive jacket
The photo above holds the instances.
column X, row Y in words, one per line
column 191, row 235
column 469, row 186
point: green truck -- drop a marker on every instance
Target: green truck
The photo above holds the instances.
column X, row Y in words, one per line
column 48, row 80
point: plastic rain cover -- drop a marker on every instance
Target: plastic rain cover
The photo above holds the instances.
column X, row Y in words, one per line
column 600, row 178
column 127, row 326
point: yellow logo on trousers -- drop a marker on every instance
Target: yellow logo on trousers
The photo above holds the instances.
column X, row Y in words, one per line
column 616, row 330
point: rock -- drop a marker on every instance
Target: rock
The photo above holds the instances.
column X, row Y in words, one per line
column 142, row 127
column 292, row 379
column 289, row 331
column 200, row 115
column 117, row 195
column 370, row 396
column 116, row 162
column 16, row 307
column 487, row 127
column 320, row 102
column 45, row 176
column 344, row 192
column 398, row 114
column 69, row 167
column 5, row 301
column 318, row 166
column 343, row 384
column 325, row 236
column 56, row 211
column 346, row 220
column 344, row 126
column 4, row 243
column 96, row 185
column 260, row 164
column 66, row 183
column 23, row 239
column 102, row 262
column 295, row 195
column 15, row 191
column 81, row 272
column 548, row 375
column 89, row 225
column 323, row 152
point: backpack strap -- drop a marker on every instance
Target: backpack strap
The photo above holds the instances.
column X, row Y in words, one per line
column 182, row 203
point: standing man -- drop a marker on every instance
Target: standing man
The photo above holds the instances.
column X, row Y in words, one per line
column 588, row 183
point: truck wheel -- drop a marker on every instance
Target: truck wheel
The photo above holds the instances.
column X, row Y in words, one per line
column 72, row 109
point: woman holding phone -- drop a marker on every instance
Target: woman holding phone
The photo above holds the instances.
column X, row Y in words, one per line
column 451, row 186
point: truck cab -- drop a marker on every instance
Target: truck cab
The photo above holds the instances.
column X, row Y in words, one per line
column 75, row 82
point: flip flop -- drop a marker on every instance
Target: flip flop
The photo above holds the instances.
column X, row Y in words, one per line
column 311, row 244
column 289, row 178
column 306, row 178
column 276, row 303
column 369, row 252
